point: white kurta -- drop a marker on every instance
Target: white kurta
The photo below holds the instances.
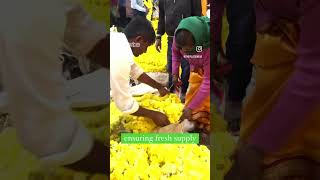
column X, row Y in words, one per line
column 122, row 67
column 30, row 40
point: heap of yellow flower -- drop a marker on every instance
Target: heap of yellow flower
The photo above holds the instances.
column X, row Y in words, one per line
column 154, row 61
column 156, row 162
column 145, row 161
column 169, row 104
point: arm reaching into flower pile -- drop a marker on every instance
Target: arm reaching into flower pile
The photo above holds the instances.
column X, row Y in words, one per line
column 144, row 78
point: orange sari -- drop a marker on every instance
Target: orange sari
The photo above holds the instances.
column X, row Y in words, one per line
column 202, row 113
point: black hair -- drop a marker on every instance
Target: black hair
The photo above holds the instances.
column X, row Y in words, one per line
column 140, row 26
column 183, row 36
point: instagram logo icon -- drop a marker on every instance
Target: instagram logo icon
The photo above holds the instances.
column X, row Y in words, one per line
column 199, row 49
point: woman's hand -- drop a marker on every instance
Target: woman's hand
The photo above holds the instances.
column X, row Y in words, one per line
column 176, row 81
column 187, row 114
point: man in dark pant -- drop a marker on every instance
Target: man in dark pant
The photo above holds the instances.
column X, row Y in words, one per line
column 239, row 50
column 170, row 14
column 124, row 20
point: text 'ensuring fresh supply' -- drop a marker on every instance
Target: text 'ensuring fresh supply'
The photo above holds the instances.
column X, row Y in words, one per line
column 160, row 138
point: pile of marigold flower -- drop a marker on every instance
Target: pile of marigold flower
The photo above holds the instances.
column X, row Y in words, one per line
column 164, row 161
